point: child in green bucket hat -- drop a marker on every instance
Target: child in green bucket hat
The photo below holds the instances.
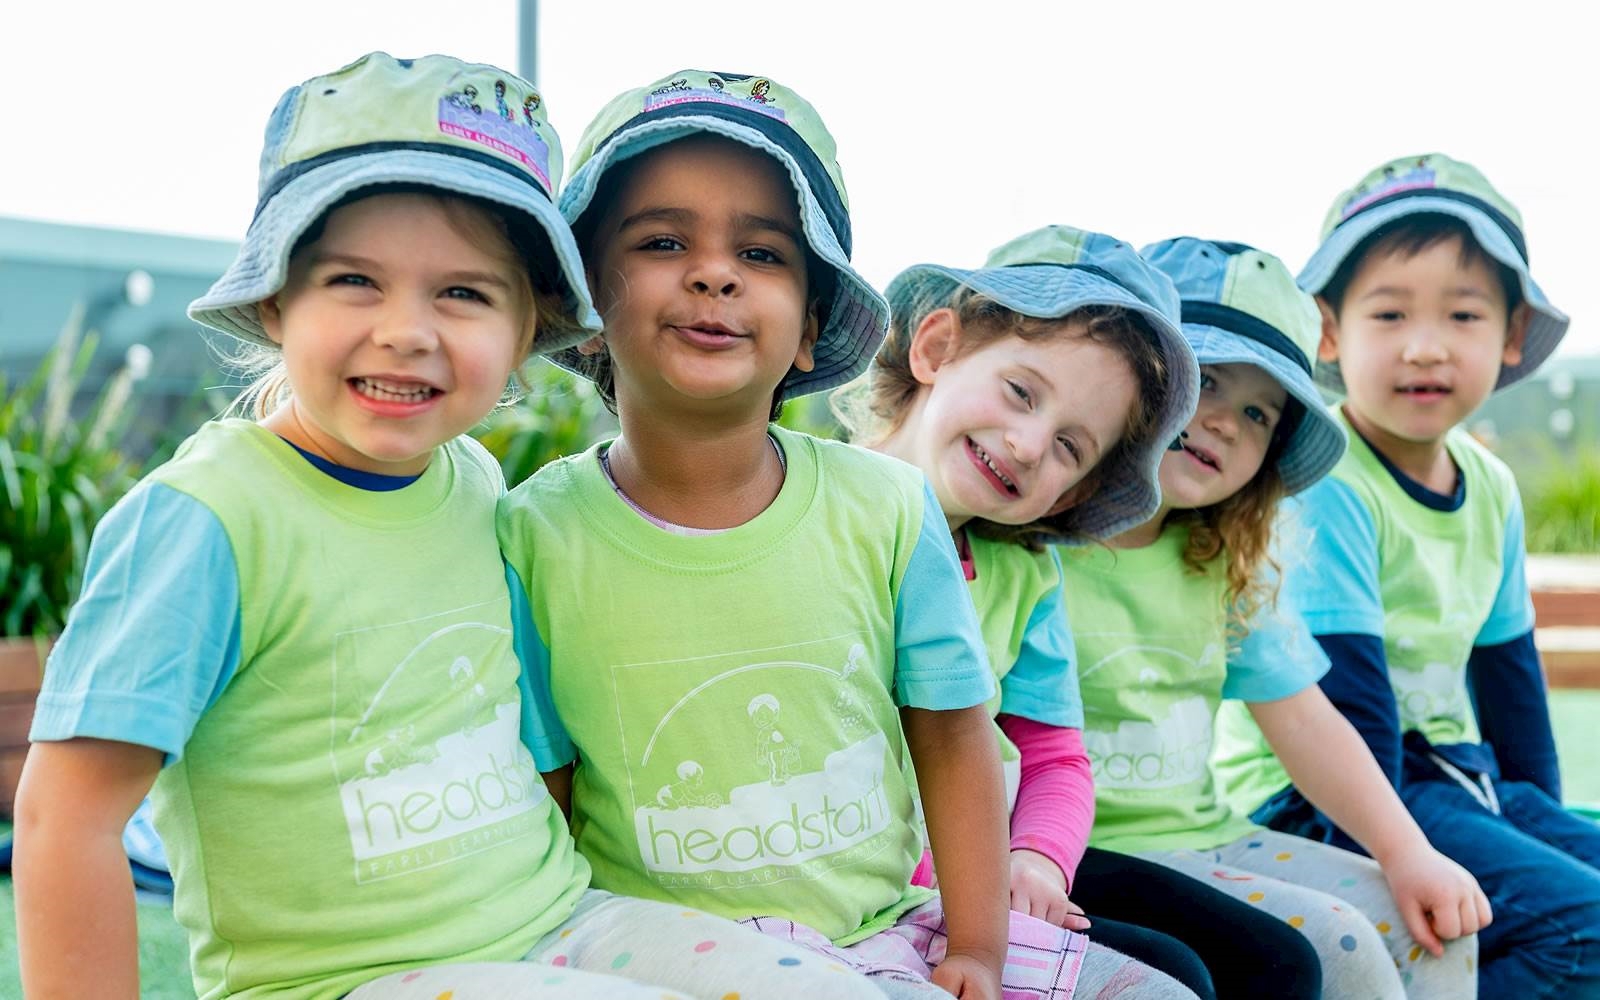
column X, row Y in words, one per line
column 1414, row 576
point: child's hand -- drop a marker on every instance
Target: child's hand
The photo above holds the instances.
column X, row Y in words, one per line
column 967, row 977
column 1039, row 889
column 1438, row 898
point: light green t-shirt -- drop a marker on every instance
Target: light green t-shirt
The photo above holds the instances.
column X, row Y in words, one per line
column 1154, row 664
column 1017, row 593
column 734, row 698
column 1432, row 583
column 357, row 800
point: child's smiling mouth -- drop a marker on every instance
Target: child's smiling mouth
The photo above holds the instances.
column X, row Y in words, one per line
column 993, row 471
column 393, row 396
column 1203, row 456
column 708, row 334
column 1424, row 390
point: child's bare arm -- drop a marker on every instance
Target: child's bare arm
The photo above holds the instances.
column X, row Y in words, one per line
column 1331, row 765
column 963, row 798
column 559, row 784
column 76, row 931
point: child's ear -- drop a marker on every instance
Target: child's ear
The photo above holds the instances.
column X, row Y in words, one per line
column 934, row 344
column 1328, row 346
column 594, row 345
column 1516, row 334
column 270, row 315
column 804, row 358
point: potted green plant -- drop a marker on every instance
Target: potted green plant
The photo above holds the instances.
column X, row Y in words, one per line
column 58, row 475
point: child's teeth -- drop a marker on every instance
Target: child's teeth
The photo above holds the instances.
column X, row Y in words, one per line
column 388, row 394
column 998, row 475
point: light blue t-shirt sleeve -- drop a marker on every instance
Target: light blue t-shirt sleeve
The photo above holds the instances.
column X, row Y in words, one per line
column 1512, row 614
column 154, row 636
column 940, row 663
column 1331, row 569
column 542, row 732
column 1278, row 657
column 1043, row 684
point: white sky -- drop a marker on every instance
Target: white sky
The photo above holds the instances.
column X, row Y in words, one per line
column 959, row 124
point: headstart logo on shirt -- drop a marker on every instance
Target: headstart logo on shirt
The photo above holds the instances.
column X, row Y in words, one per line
column 412, row 802
column 1166, row 753
column 795, row 783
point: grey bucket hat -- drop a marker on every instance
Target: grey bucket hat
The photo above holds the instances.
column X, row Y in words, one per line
column 1050, row 273
column 1436, row 184
column 435, row 122
column 767, row 116
column 1241, row 306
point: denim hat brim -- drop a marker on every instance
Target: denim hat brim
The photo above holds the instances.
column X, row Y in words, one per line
column 1318, row 442
column 1130, row 494
column 1545, row 329
column 857, row 318
column 262, row 265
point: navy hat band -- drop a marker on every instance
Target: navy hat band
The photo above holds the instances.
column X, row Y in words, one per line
column 289, row 173
column 1502, row 220
column 1239, row 322
column 781, row 135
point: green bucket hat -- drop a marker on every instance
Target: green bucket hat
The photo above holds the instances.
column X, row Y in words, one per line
column 775, row 120
column 1435, row 184
column 1241, row 306
column 1050, row 273
column 436, row 122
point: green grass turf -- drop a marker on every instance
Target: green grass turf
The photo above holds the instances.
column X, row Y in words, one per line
column 163, row 955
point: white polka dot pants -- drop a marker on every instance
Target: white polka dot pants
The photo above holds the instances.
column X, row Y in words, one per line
column 620, row 948
column 1341, row 902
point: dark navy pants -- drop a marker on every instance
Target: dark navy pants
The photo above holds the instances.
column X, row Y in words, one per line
column 1538, row 864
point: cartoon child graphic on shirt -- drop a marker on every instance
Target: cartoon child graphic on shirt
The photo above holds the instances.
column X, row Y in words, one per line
column 689, row 790
column 781, row 757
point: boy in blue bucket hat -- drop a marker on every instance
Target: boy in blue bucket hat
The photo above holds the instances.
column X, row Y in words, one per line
column 1414, row 578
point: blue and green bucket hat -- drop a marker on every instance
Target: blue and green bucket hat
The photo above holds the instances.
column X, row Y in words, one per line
column 1241, row 306
column 769, row 117
column 436, row 122
column 1051, row 273
column 1435, row 184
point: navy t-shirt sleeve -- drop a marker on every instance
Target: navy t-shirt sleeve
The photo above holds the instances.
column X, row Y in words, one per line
column 1357, row 682
column 1507, row 684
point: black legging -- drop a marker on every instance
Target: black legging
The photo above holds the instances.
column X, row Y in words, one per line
column 1174, row 923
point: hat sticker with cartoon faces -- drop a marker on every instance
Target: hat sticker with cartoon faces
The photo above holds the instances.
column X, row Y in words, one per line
column 1419, row 177
column 461, row 114
column 715, row 90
